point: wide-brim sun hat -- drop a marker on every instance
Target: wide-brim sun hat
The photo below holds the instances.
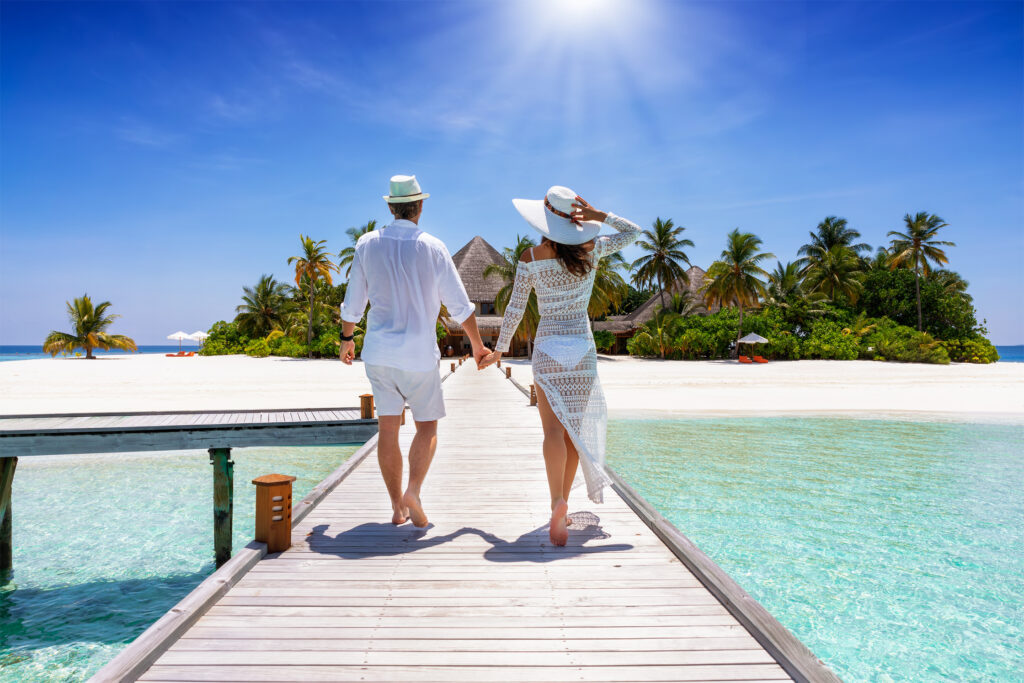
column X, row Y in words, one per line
column 404, row 188
column 551, row 217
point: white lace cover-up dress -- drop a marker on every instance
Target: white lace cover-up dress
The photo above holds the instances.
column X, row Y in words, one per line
column 564, row 356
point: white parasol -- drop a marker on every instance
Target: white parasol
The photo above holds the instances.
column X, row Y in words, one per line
column 180, row 336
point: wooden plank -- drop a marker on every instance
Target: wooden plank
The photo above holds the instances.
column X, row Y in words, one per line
column 458, row 674
column 179, row 438
column 225, row 640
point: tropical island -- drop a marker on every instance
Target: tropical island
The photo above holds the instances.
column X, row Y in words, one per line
column 836, row 300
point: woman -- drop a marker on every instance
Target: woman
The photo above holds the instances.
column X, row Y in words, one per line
column 561, row 269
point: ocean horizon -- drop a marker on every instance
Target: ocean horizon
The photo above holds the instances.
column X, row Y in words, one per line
column 1013, row 353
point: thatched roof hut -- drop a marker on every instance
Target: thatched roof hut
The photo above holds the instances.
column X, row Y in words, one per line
column 622, row 324
column 470, row 262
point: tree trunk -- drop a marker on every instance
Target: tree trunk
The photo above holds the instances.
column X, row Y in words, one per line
column 309, row 328
column 661, row 333
column 917, row 287
column 88, row 352
column 739, row 333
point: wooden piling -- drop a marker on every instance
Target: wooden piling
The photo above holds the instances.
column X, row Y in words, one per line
column 7, row 467
column 533, row 394
column 366, row 406
column 499, row 364
column 453, row 366
column 223, row 502
column 274, row 511
column 508, row 373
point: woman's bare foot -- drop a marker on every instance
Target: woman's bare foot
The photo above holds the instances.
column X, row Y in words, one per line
column 559, row 533
column 400, row 516
column 412, row 502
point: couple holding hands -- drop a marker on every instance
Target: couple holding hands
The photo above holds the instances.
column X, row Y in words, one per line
column 405, row 274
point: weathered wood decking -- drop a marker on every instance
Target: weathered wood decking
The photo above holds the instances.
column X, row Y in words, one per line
column 23, row 435
column 481, row 595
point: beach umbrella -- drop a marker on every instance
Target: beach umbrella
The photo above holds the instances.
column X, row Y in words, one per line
column 753, row 339
column 179, row 336
column 199, row 336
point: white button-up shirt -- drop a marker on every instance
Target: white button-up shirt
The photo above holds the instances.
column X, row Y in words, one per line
column 405, row 274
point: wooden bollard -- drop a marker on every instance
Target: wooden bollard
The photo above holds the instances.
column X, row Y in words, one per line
column 403, row 415
column 366, row 406
column 460, row 361
column 453, row 367
column 508, row 373
column 274, row 511
column 533, row 394
column 499, row 364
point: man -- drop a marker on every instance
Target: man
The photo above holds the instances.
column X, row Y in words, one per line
column 406, row 275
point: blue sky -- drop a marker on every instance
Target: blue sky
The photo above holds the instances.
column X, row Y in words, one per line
column 161, row 156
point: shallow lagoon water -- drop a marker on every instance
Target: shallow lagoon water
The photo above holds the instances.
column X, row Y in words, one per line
column 105, row 544
column 893, row 549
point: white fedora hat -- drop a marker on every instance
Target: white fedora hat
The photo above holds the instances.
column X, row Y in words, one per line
column 551, row 217
column 404, row 188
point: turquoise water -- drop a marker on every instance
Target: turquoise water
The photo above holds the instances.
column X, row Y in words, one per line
column 1011, row 354
column 13, row 352
column 105, row 544
column 894, row 550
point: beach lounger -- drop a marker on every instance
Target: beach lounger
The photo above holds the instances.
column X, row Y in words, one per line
column 744, row 359
column 760, row 359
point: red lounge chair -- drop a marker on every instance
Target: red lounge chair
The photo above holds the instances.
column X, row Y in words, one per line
column 170, row 355
column 760, row 359
column 744, row 359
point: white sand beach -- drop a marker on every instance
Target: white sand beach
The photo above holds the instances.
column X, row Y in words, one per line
column 155, row 382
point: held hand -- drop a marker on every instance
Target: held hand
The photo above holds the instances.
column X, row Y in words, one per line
column 347, row 352
column 582, row 211
column 479, row 354
column 489, row 359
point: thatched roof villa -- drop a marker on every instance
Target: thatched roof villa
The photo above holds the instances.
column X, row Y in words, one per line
column 477, row 254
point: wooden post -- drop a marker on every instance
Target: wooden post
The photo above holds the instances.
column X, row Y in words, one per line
column 508, row 373
column 499, row 364
column 223, row 502
column 533, row 394
column 7, row 467
column 366, row 406
column 453, row 366
column 403, row 416
column 274, row 511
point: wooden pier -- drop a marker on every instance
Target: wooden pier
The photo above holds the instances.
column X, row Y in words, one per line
column 216, row 431
column 481, row 594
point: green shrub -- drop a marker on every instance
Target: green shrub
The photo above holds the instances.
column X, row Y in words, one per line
column 903, row 344
column 978, row 350
column 224, row 339
column 257, row 348
column 828, row 342
column 327, row 344
column 642, row 344
column 604, row 340
column 290, row 348
column 784, row 344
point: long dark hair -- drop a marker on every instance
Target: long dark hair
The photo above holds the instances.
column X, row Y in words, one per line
column 574, row 257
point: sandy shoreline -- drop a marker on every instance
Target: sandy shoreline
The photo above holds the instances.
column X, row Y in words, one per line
column 155, row 382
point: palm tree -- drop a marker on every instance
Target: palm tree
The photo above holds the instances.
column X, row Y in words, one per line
column 263, row 307
column 784, row 282
column 833, row 232
column 610, row 288
column 880, row 261
column 735, row 279
column 916, row 247
column 313, row 265
column 346, row 255
column 506, row 270
column 834, row 273
column 665, row 257
column 90, row 330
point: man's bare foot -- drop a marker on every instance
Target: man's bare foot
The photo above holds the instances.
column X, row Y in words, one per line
column 559, row 533
column 400, row 516
column 412, row 501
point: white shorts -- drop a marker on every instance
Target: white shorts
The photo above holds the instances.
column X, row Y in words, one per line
column 393, row 388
